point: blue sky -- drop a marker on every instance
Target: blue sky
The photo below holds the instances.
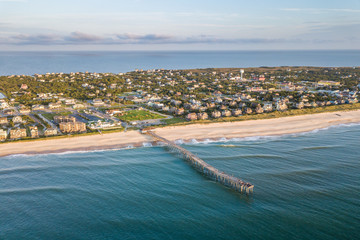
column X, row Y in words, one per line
column 179, row 25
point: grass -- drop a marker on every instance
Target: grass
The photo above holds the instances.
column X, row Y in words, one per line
column 139, row 115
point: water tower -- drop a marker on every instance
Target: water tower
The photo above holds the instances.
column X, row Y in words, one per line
column 242, row 73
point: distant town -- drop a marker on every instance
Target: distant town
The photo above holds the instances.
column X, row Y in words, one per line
column 53, row 104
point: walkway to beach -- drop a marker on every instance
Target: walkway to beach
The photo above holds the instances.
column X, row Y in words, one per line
column 205, row 168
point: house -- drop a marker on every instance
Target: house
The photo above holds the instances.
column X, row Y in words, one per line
column 24, row 111
column 113, row 111
column 259, row 109
column 202, row 116
column 300, row 105
column 34, row 132
column 72, row 127
column 54, row 105
column 248, row 110
column 281, row 106
column 3, row 104
column 97, row 102
column 191, row 117
column 37, row 107
column 24, row 86
column 216, row 114
column 3, row 135
column 236, row 112
column 226, row 113
column 179, row 111
column 70, row 101
column 17, row 119
column 4, row 120
column 50, row 132
column 8, row 112
column 18, row 133
column 78, row 106
column 268, row 107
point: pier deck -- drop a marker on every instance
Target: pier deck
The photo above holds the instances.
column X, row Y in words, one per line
column 204, row 168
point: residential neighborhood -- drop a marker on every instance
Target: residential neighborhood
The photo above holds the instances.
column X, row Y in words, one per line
column 53, row 104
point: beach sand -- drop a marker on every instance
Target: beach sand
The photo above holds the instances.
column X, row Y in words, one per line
column 264, row 127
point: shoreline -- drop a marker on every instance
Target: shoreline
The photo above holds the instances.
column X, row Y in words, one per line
column 200, row 132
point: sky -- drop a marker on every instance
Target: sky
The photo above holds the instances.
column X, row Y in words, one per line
column 27, row 25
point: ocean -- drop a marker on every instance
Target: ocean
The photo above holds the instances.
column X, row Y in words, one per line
column 30, row 63
column 307, row 186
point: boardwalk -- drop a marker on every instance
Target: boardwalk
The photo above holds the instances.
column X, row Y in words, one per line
column 204, row 168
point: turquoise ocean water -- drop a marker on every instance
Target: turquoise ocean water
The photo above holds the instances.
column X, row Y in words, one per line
column 307, row 186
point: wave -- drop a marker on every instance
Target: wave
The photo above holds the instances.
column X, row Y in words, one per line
column 68, row 152
column 192, row 142
column 32, row 190
column 236, row 157
column 317, row 148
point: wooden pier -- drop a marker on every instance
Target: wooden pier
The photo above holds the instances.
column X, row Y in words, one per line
column 204, row 168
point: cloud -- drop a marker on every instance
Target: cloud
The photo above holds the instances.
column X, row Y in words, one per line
column 321, row 10
column 79, row 38
column 83, row 37
column 148, row 38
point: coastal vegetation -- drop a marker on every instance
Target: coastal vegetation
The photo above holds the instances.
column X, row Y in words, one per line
column 93, row 103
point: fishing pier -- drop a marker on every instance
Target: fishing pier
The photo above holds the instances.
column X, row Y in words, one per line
column 204, row 168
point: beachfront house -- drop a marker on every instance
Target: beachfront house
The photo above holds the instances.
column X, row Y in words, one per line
column 3, row 135
column 50, row 132
column 18, row 133
column 72, row 127
column 191, row 117
column 34, row 132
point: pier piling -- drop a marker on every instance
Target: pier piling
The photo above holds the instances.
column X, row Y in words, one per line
column 204, row 168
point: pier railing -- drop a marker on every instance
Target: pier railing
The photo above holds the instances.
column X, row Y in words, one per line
column 204, row 168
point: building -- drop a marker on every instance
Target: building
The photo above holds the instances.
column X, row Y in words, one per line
column 8, row 112
column 24, row 86
column 268, row 107
column 236, row 112
column 226, row 113
column 54, row 105
column 72, row 127
column 179, row 111
column 24, row 111
column 97, row 102
column 3, row 135
column 60, row 119
column 3, row 104
column 191, row 117
column 4, row 120
column 34, row 132
column 216, row 114
column 50, row 132
column 37, row 107
column 17, row 119
column 202, row 116
column 281, row 106
column 18, row 133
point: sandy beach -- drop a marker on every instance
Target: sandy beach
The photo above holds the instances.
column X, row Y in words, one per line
column 265, row 127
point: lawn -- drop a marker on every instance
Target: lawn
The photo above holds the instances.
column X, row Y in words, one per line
column 139, row 115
